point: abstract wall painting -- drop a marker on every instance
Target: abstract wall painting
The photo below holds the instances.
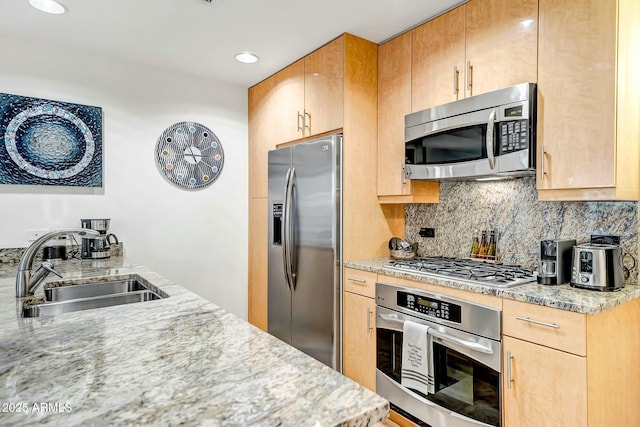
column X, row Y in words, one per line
column 189, row 155
column 45, row 142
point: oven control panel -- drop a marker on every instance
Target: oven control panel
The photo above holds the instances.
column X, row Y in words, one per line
column 429, row 306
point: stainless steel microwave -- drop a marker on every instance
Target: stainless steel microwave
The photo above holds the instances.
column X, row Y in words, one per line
column 487, row 135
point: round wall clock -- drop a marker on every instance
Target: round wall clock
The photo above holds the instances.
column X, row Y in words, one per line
column 189, row 155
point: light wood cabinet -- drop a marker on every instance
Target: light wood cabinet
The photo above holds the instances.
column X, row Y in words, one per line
column 549, row 386
column 438, row 61
column 481, row 46
column 359, row 339
column 588, row 100
column 501, row 38
column 289, row 103
column 258, row 237
column 309, row 94
column 560, row 329
column 262, row 130
column 568, row 369
column 360, row 282
column 394, row 102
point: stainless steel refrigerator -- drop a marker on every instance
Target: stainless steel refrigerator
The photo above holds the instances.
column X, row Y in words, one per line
column 305, row 215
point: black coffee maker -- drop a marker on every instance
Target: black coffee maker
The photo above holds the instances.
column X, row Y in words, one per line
column 98, row 247
column 554, row 265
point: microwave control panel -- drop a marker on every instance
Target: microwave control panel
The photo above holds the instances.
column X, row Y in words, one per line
column 430, row 307
column 514, row 135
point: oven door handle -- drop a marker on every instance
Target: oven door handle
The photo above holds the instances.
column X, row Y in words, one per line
column 391, row 318
column 467, row 344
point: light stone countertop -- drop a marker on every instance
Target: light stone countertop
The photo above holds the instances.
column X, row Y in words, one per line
column 563, row 297
column 180, row 360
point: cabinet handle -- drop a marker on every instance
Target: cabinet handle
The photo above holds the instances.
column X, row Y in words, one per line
column 542, row 163
column 300, row 117
column 469, row 76
column 403, row 170
column 353, row 279
column 369, row 327
column 455, row 79
column 537, row 322
column 509, row 377
column 304, row 122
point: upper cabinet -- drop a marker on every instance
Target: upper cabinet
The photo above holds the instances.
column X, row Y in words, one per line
column 481, row 46
column 394, row 102
column 309, row 94
column 262, row 130
column 438, row 61
column 501, row 38
column 588, row 100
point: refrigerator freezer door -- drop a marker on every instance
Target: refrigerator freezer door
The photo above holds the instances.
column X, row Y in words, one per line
column 279, row 296
column 315, row 326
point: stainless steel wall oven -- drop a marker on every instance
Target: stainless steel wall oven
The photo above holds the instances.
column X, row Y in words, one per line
column 464, row 355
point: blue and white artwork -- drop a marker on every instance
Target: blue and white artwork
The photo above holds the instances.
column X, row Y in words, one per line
column 44, row 142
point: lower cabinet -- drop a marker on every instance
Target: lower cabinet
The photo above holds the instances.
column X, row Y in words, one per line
column 542, row 386
column 359, row 327
column 562, row 368
column 359, row 345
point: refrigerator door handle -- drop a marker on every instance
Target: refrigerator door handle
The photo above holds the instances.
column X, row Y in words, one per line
column 292, row 230
column 285, row 220
column 289, row 228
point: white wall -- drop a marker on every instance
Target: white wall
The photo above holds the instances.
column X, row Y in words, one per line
column 196, row 238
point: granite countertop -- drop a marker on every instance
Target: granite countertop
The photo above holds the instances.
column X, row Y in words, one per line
column 563, row 297
column 179, row 360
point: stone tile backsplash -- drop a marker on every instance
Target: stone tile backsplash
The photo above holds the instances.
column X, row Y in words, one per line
column 512, row 208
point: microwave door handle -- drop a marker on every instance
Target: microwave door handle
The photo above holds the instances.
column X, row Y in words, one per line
column 467, row 344
column 490, row 140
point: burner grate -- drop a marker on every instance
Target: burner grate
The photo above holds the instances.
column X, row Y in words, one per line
column 468, row 270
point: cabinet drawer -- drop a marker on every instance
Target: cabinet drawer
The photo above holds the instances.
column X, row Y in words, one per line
column 360, row 282
column 559, row 329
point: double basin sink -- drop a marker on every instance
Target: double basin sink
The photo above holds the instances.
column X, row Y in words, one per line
column 61, row 297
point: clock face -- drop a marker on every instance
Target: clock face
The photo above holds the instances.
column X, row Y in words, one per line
column 189, row 155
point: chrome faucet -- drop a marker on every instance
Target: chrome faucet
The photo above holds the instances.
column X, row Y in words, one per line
column 26, row 281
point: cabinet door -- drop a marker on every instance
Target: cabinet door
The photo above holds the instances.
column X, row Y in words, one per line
column 394, row 102
column 576, row 94
column 548, row 387
column 258, row 237
column 501, row 43
column 359, row 340
column 323, row 88
column 261, row 135
column 438, row 61
column 289, row 102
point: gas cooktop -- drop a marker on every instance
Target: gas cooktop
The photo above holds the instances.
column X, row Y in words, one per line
column 478, row 272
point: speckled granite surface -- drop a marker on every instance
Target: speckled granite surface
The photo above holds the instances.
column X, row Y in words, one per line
column 512, row 207
column 563, row 297
column 176, row 361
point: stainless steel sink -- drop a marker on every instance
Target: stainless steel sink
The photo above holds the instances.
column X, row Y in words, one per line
column 69, row 297
column 89, row 290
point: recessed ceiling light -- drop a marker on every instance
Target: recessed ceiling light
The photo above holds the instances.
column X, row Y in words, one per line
column 49, row 6
column 246, row 57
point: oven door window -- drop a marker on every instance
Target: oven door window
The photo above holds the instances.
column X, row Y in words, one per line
column 453, row 146
column 465, row 386
column 389, row 353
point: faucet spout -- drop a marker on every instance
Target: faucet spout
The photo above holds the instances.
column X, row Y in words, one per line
column 26, row 281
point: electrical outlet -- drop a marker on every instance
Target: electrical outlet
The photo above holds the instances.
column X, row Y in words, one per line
column 427, row 232
column 36, row 233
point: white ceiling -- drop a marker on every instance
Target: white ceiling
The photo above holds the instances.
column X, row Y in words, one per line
column 200, row 38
